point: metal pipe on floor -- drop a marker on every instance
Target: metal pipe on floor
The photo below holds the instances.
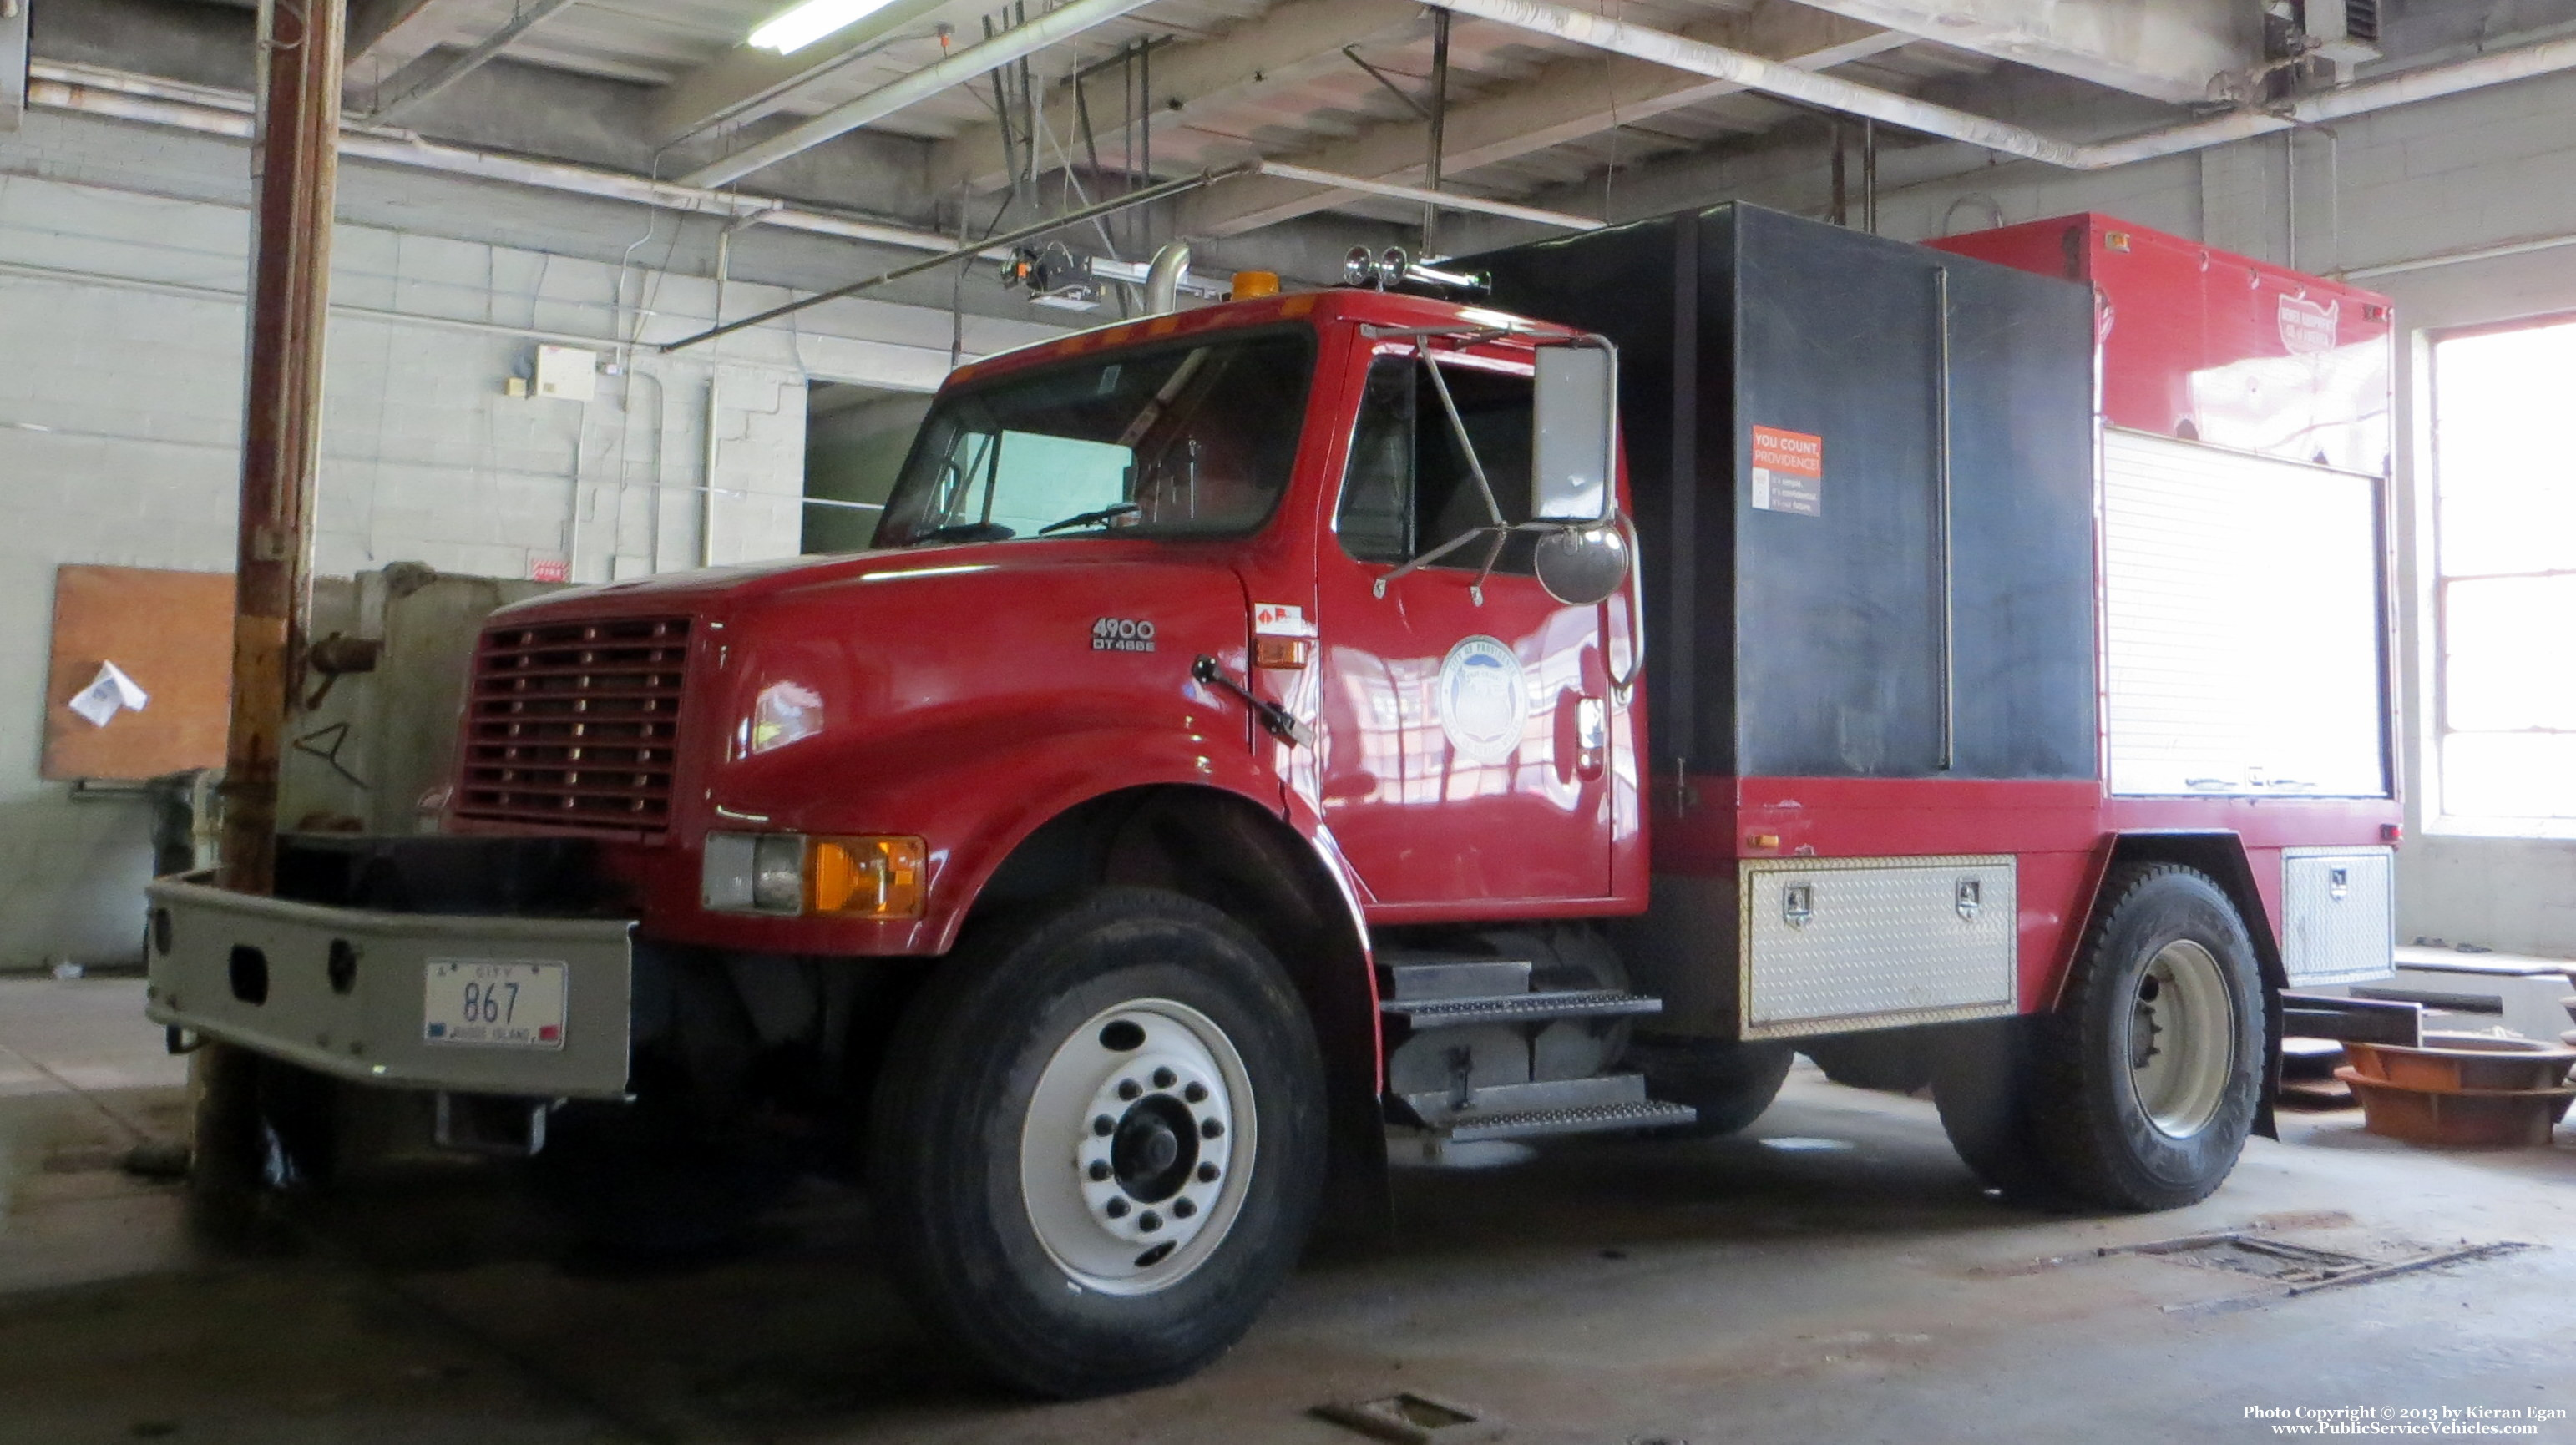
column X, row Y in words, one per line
column 295, row 171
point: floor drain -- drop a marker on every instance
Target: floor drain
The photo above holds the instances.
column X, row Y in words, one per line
column 1407, row 1419
column 2303, row 1269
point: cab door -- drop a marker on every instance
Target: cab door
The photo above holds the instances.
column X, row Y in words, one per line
column 1467, row 721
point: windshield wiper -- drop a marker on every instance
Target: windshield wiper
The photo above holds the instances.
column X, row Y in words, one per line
column 1089, row 519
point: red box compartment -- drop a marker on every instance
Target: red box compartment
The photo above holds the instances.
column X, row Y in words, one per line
column 2199, row 342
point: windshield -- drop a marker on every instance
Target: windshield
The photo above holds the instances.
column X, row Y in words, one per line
column 1189, row 440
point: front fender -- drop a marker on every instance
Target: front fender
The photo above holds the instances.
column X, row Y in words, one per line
column 972, row 806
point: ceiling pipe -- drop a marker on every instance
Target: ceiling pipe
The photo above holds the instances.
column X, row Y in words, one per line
column 87, row 90
column 1445, row 200
column 1752, row 72
column 1054, row 27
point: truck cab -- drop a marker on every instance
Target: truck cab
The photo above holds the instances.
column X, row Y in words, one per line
column 1236, row 752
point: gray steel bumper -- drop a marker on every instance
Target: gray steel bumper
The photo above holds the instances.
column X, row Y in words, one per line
column 362, row 1019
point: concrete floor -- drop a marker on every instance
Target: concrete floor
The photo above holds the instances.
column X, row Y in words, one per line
column 1752, row 1289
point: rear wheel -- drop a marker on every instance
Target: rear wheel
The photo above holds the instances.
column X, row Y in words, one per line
column 2151, row 1073
column 1729, row 1083
column 1898, row 1061
column 1098, row 1142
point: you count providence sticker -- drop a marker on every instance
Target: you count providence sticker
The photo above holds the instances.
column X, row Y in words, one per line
column 1788, row 471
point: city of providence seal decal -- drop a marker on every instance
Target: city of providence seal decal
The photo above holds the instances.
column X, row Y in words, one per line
column 1483, row 700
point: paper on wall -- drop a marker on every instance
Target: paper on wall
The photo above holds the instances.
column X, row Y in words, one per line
column 108, row 693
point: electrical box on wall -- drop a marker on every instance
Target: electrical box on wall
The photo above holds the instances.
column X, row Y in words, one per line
column 567, row 373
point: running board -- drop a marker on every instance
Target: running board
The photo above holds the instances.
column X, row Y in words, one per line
column 1552, row 1106
column 1519, row 1008
column 1599, row 1118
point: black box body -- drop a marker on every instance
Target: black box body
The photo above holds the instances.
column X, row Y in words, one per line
column 1866, row 609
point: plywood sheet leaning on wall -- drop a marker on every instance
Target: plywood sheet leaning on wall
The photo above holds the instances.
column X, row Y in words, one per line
column 171, row 635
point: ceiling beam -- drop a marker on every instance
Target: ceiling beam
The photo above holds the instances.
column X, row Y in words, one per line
column 1051, row 28
column 1284, row 46
column 421, row 81
column 1566, row 101
column 2167, row 49
column 746, row 83
column 386, row 35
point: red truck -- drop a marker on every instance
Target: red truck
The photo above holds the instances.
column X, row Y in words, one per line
column 1262, row 731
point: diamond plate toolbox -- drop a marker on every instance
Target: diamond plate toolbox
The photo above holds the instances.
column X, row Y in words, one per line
column 2338, row 915
column 1857, row 943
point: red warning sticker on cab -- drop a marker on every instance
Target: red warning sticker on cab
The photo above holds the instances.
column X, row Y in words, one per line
column 1788, row 471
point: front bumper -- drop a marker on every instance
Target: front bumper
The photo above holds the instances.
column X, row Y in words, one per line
column 341, row 990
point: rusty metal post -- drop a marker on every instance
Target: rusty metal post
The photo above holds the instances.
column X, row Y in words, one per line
column 294, row 172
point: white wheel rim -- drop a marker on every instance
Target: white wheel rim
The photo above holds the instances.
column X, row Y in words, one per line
column 2181, row 1042
column 1134, row 1207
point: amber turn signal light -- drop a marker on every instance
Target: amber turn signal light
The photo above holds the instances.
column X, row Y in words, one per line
column 1288, row 652
column 868, row 877
column 1248, row 284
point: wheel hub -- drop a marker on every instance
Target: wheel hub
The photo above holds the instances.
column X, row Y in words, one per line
column 2182, row 1039
column 1130, row 1149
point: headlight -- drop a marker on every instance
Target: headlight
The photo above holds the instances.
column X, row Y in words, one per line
column 789, row 873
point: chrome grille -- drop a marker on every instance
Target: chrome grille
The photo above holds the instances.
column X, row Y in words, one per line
column 574, row 723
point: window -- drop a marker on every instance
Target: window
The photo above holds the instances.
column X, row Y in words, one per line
column 1409, row 488
column 1187, row 440
column 2504, row 456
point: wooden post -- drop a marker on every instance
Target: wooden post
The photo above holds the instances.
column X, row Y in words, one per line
column 294, row 172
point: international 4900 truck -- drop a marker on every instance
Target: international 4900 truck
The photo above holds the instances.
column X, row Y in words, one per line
column 1266, row 730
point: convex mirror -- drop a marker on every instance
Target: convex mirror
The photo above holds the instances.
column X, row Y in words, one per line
column 1580, row 566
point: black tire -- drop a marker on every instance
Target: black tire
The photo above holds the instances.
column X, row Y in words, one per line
column 962, row 1086
column 2162, row 935
column 1729, row 1083
column 1895, row 1061
column 649, row 1182
column 1981, row 1085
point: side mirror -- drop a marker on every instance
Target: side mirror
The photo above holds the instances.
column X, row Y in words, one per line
column 1571, row 456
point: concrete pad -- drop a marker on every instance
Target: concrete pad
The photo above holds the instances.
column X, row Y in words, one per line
column 1760, row 1289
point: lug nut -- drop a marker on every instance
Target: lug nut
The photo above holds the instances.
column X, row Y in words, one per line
column 1207, row 1173
column 1210, row 1128
column 1148, row 1222
column 1129, row 1088
column 1183, row 1209
column 1165, row 1078
column 1195, row 1093
column 1115, row 1209
column 1103, row 1125
column 1099, row 1170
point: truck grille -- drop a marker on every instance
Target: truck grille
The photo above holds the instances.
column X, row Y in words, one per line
column 574, row 722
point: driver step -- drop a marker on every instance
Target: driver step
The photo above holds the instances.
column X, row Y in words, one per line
column 1513, row 1008
column 1549, row 1106
column 1596, row 1119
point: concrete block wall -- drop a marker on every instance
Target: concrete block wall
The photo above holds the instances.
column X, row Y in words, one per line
column 121, row 333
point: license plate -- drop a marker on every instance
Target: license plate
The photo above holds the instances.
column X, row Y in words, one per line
column 508, row 1003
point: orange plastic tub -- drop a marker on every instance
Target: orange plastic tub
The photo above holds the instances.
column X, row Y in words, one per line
column 2451, row 1063
column 2462, row 1119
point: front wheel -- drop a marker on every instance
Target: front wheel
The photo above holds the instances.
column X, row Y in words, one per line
column 1098, row 1142
column 2147, row 1079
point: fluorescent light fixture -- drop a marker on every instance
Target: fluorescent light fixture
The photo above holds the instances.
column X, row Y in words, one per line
column 804, row 24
